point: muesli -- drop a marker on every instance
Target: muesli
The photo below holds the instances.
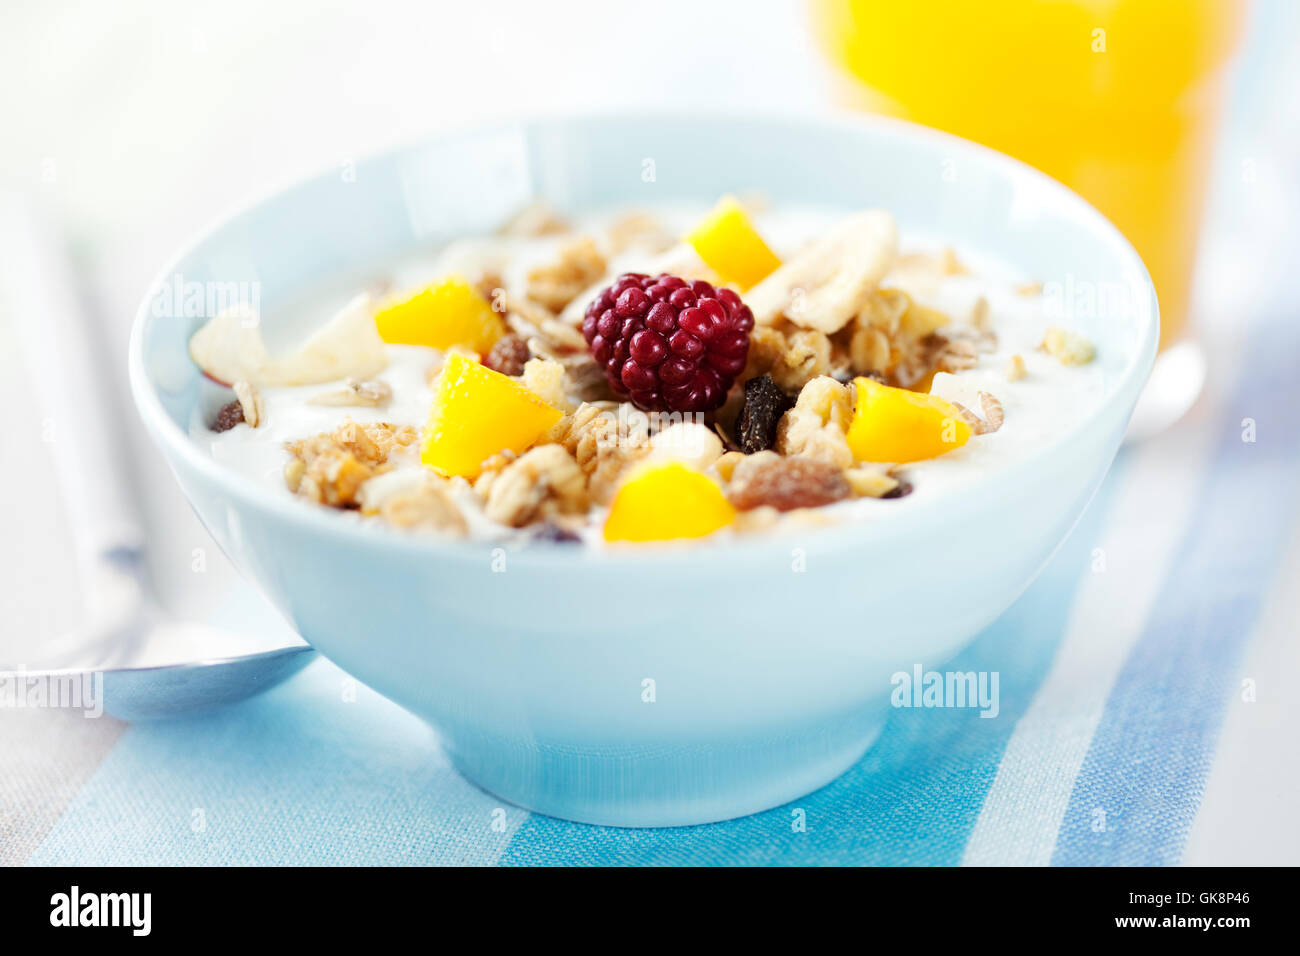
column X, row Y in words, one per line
column 637, row 378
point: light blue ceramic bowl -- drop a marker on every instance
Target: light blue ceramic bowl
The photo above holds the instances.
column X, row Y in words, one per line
column 767, row 682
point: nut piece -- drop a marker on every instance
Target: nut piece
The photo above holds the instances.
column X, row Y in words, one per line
column 786, row 484
column 871, row 481
column 250, row 402
column 1069, row 348
column 541, row 483
column 1015, row 369
column 690, row 443
column 356, row 393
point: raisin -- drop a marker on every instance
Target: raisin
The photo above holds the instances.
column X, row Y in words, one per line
column 553, row 533
column 230, row 415
column 901, row 490
column 789, row 483
column 764, row 405
column 508, row 355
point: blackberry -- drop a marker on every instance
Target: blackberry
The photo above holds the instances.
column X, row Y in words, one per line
column 668, row 344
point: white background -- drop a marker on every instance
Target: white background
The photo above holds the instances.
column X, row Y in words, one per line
column 139, row 122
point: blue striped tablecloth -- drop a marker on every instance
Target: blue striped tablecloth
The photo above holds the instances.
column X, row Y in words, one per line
column 1117, row 668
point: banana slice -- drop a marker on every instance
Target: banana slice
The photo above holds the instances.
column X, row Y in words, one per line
column 828, row 282
column 229, row 348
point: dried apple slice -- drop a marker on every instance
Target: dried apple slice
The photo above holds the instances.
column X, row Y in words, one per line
column 828, row 282
column 229, row 348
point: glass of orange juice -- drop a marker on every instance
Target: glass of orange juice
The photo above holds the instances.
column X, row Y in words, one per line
column 1118, row 99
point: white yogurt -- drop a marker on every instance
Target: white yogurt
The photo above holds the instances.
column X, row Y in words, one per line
column 1050, row 398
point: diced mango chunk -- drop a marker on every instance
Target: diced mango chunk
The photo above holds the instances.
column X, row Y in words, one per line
column 449, row 312
column 730, row 245
column 478, row 412
column 898, row 425
column 665, row 500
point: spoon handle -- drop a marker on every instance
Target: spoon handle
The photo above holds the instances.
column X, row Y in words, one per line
column 69, row 371
column 69, row 367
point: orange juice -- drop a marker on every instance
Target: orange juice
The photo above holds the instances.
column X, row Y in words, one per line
column 1116, row 98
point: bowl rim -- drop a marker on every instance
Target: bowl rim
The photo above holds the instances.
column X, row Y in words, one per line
column 833, row 536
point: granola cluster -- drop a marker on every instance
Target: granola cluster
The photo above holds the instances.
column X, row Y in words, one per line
column 330, row 468
column 777, row 450
column 413, row 499
column 891, row 338
column 556, row 285
column 602, row 449
column 544, row 483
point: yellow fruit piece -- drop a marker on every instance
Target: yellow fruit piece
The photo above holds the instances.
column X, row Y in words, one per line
column 478, row 412
column 898, row 425
column 667, row 500
column 730, row 245
column 449, row 312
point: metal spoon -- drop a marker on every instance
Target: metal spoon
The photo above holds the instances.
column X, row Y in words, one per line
column 40, row 289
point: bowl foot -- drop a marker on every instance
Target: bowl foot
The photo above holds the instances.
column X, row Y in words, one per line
column 668, row 786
